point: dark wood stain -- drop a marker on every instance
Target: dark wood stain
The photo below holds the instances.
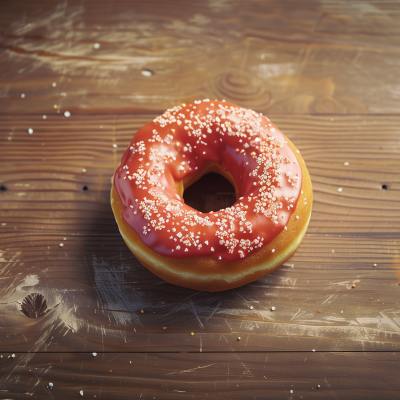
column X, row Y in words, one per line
column 34, row 305
column 325, row 73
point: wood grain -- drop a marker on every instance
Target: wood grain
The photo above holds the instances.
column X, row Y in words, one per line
column 325, row 72
column 95, row 291
column 43, row 171
column 327, row 57
column 350, row 231
column 198, row 376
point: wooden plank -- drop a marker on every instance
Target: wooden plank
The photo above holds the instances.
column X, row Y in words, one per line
column 331, row 57
column 196, row 376
column 43, row 171
column 95, row 289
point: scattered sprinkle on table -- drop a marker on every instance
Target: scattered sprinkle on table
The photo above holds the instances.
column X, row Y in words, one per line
column 54, row 84
column 192, row 333
column 81, row 392
column 94, row 354
column 61, row 245
column 67, row 114
column 96, row 46
column 251, row 307
column 83, row 170
column 346, row 163
column 44, row 116
column 142, row 311
column 50, row 385
column 353, row 286
column 22, row 95
column 115, row 145
column 147, row 72
column 340, row 190
column 238, row 338
column 375, row 265
column 273, row 308
column 30, row 131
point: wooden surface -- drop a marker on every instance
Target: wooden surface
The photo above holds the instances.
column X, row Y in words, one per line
column 325, row 72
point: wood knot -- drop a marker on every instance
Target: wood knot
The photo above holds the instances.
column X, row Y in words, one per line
column 34, row 305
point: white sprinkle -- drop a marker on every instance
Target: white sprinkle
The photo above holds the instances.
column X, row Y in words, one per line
column 54, row 84
column 65, row 238
column 115, row 146
column 313, row 350
column 83, row 170
column 30, row 131
column 13, row 356
column 147, row 72
column 291, row 391
column 297, row 216
column 61, row 244
column 23, row 95
column 251, row 307
column 44, row 116
column 94, row 354
column 67, row 114
column 96, row 46
column 273, row 250
column 340, row 190
column 273, row 308
column 346, row 163
column 50, row 385
column 81, row 393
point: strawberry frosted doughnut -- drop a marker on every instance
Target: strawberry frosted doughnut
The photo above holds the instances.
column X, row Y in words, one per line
column 218, row 250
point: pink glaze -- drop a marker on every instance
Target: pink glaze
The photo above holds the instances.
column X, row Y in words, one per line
column 183, row 141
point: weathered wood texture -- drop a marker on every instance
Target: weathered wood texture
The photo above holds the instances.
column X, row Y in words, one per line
column 69, row 285
column 350, row 231
column 43, row 171
column 201, row 375
column 273, row 56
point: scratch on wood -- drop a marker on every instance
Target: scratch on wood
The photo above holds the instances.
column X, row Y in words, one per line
column 190, row 370
column 328, row 298
column 295, row 314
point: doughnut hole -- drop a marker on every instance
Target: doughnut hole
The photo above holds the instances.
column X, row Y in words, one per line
column 212, row 192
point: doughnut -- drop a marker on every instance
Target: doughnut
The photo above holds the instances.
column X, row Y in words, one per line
column 218, row 250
